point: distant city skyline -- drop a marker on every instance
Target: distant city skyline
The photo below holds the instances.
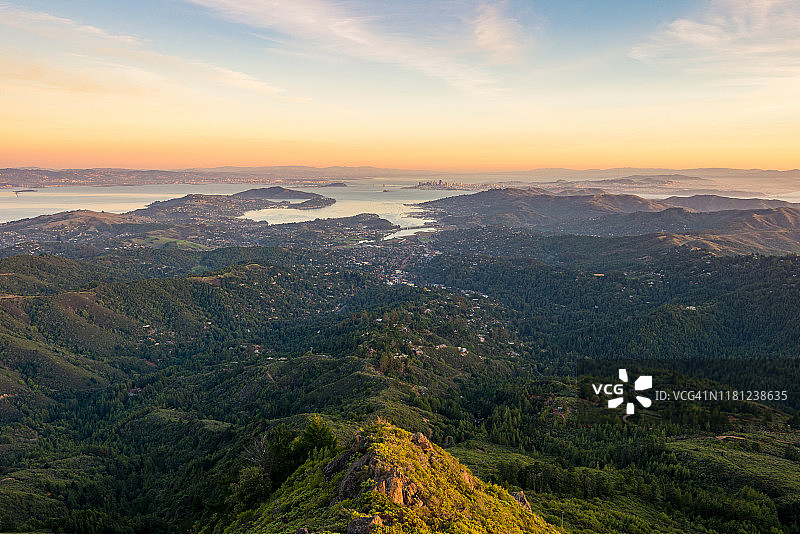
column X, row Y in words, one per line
column 461, row 85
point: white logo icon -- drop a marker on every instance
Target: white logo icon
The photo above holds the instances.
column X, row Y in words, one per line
column 642, row 383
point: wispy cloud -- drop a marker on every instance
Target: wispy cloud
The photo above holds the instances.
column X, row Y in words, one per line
column 344, row 29
column 498, row 34
column 40, row 72
column 120, row 53
column 60, row 28
column 750, row 39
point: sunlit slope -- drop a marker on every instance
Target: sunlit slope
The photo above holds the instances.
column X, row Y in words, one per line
column 389, row 480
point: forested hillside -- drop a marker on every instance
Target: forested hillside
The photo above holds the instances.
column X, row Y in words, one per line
column 155, row 390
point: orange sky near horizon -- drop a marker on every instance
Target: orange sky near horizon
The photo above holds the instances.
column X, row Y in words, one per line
column 314, row 82
column 452, row 155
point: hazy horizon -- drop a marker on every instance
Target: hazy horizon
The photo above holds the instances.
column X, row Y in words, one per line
column 488, row 171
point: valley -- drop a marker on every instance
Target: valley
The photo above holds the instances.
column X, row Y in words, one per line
column 147, row 387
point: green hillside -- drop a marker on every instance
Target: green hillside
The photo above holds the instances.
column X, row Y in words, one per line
column 394, row 482
column 137, row 403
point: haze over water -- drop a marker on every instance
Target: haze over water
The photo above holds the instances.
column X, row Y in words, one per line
column 360, row 196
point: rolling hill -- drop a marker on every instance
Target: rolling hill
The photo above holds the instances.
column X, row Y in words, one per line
column 193, row 221
column 523, row 207
column 213, row 207
column 720, row 203
column 717, row 224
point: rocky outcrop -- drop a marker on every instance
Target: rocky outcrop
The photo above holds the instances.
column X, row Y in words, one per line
column 399, row 489
column 421, row 441
column 521, row 499
column 364, row 525
column 351, row 484
column 354, row 447
column 388, row 478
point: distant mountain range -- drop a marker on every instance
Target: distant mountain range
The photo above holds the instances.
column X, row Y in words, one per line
column 34, row 177
column 688, row 181
column 720, row 224
column 541, row 207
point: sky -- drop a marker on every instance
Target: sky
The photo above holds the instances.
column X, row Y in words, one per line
column 447, row 85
